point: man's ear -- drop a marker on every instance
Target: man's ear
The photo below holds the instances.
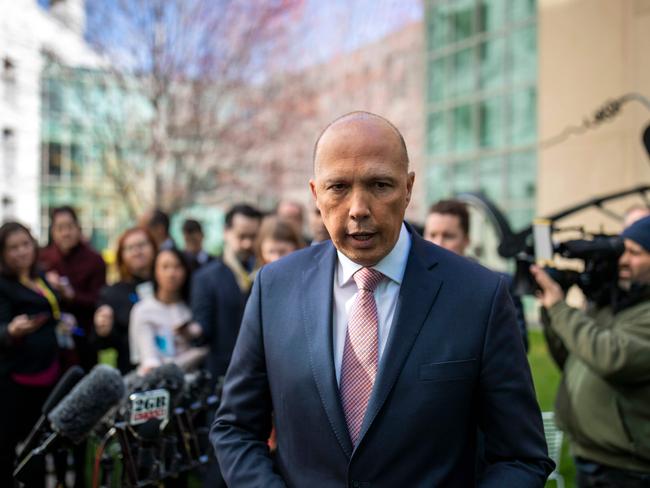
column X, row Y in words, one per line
column 312, row 187
column 409, row 186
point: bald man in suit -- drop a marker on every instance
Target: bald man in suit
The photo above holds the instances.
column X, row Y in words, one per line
column 377, row 354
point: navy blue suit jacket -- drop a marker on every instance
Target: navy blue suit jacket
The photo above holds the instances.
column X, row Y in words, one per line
column 217, row 305
column 454, row 361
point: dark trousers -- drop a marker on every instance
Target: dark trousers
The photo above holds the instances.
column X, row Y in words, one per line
column 20, row 408
column 590, row 474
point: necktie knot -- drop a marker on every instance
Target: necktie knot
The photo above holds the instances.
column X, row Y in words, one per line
column 368, row 279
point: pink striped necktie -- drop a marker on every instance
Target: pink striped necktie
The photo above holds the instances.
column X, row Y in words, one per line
column 361, row 351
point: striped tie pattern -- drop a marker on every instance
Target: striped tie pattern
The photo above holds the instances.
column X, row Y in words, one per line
column 361, row 351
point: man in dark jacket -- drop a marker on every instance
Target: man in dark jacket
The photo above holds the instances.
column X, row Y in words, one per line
column 447, row 225
column 603, row 403
column 217, row 305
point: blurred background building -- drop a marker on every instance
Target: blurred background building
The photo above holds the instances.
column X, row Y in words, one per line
column 491, row 95
column 28, row 36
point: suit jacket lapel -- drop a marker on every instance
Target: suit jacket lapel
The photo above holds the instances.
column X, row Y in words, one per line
column 417, row 294
column 317, row 302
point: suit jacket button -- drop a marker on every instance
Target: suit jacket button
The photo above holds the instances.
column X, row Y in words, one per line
column 355, row 484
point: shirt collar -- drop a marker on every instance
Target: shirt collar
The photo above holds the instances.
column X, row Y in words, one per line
column 392, row 265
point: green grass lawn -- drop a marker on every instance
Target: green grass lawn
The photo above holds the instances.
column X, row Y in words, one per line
column 546, row 377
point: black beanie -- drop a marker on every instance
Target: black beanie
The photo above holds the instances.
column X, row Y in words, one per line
column 639, row 232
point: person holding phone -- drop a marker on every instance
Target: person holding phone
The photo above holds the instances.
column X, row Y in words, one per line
column 29, row 364
column 161, row 328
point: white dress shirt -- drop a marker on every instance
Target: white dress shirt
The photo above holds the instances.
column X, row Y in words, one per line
column 386, row 293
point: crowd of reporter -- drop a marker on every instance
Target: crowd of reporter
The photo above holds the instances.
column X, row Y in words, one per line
column 167, row 305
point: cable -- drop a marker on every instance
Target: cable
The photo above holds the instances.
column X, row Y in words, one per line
column 607, row 111
column 98, row 457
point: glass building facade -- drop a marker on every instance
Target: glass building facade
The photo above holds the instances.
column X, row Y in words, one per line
column 481, row 97
column 93, row 137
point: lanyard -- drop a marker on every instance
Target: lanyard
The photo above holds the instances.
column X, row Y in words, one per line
column 48, row 294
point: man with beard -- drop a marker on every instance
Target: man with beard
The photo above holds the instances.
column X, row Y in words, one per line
column 603, row 403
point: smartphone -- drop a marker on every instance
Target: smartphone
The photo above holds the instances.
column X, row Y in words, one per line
column 543, row 242
column 40, row 318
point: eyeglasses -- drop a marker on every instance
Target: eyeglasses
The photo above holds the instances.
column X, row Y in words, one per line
column 136, row 246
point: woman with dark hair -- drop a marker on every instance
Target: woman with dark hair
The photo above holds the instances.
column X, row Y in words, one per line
column 161, row 327
column 29, row 365
column 77, row 273
column 136, row 250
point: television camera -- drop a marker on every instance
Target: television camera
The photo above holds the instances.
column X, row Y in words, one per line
column 598, row 252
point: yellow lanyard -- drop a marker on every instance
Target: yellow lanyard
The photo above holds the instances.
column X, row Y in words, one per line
column 49, row 296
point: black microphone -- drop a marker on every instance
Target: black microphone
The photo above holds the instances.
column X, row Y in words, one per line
column 80, row 411
column 62, row 388
column 64, row 385
column 169, row 377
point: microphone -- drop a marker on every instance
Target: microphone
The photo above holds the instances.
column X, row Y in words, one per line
column 87, row 403
column 62, row 388
column 169, row 377
column 78, row 413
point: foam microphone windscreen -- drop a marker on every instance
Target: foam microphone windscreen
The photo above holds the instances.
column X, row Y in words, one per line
column 76, row 415
column 646, row 139
column 65, row 384
column 168, row 376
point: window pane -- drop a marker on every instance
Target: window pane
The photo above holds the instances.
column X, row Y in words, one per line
column 522, row 10
column 463, row 19
column 54, row 159
column 463, row 128
column 492, row 15
column 439, row 27
column 464, row 176
column 524, row 59
column 490, row 175
column 523, row 116
column 76, row 159
column 522, row 172
column 462, row 82
column 437, row 80
column 492, row 58
column 53, row 96
column 439, row 182
column 491, row 123
column 437, row 138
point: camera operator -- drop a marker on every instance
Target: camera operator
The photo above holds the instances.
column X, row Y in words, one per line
column 603, row 403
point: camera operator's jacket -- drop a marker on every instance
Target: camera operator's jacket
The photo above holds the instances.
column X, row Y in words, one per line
column 604, row 400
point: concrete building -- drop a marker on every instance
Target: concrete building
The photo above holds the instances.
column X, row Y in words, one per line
column 509, row 86
column 27, row 33
column 481, row 102
column 590, row 52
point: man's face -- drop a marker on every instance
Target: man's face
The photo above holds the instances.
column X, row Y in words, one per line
column 445, row 230
column 291, row 213
column 634, row 264
column 66, row 233
column 362, row 187
column 240, row 238
column 193, row 242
